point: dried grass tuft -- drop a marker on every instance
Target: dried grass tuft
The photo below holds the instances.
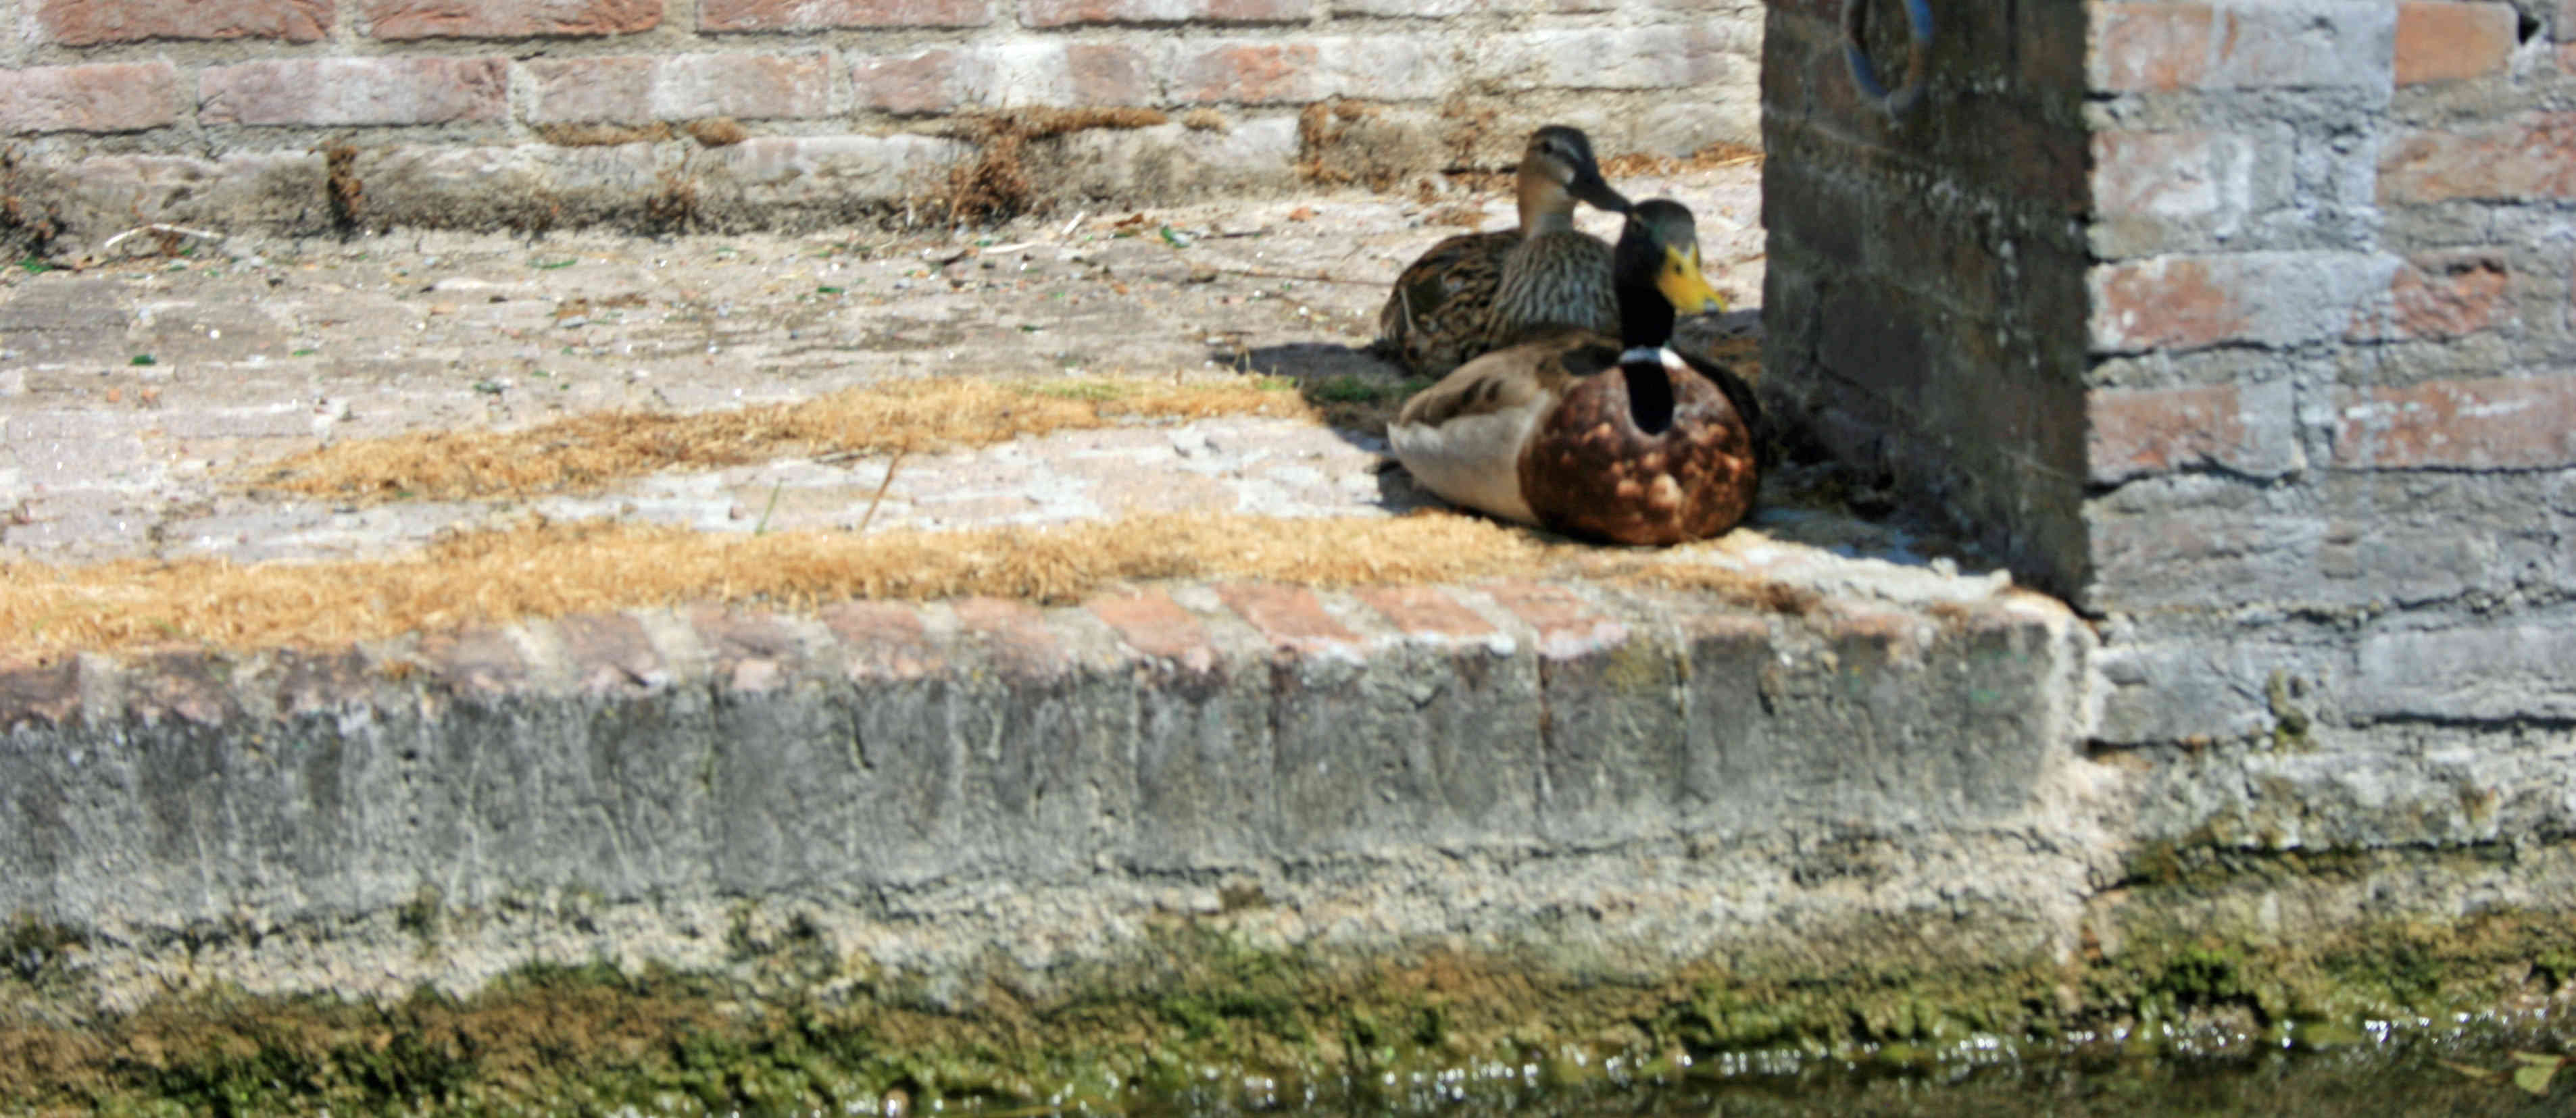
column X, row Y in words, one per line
column 553, row 570
column 1716, row 155
column 995, row 185
column 587, row 452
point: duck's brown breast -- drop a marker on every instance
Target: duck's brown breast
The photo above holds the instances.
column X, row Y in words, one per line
column 1590, row 472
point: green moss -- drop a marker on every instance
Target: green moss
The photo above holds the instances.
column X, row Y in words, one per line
column 589, row 1038
column 2289, row 722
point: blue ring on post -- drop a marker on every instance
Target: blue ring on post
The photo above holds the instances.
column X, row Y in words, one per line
column 1918, row 57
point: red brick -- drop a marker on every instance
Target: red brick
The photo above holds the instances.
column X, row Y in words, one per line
column 188, row 685
column 611, row 654
column 1425, row 611
column 81, row 23
column 2447, row 40
column 2490, row 423
column 1567, row 625
column 2154, row 174
column 337, row 91
column 749, row 650
column 2438, row 295
column 111, row 97
column 2153, row 46
column 1015, row 634
column 1289, row 615
column 2136, row 431
column 2168, row 302
column 478, row 661
column 1155, row 625
column 786, row 15
column 1248, row 74
column 509, row 19
column 1110, row 74
column 682, row 87
column 883, row 640
column 915, row 83
column 39, row 692
column 1058, row 13
column 2529, row 156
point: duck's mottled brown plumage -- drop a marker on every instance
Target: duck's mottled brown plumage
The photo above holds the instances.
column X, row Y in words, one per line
column 1590, row 472
column 1478, row 292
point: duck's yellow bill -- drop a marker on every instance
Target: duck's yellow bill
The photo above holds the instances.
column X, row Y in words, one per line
column 1682, row 284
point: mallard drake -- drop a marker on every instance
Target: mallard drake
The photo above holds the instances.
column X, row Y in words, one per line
column 1612, row 438
column 1477, row 292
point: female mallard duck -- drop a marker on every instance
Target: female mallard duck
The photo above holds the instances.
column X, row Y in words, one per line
column 1477, row 292
column 1619, row 439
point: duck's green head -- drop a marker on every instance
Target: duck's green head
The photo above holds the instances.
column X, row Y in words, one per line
column 1557, row 169
column 1659, row 247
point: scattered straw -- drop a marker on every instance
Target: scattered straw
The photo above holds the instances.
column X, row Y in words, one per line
column 587, row 452
column 1713, row 157
column 552, row 570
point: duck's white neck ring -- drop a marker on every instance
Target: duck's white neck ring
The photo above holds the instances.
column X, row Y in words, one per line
column 1643, row 355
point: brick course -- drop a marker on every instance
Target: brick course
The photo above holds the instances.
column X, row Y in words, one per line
column 342, row 91
column 500, row 19
column 679, row 88
column 80, row 23
column 109, row 97
column 809, row 15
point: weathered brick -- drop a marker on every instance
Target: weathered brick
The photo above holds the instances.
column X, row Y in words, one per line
column 2438, row 295
column 1059, row 13
column 2152, row 46
column 502, row 19
column 1005, row 75
column 475, row 662
column 1567, row 625
column 921, row 82
column 748, row 650
column 2169, row 175
column 2528, row 156
column 610, row 654
column 797, row 15
column 2266, row 298
column 183, row 685
column 1110, row 74
column 332, row 91
column 1375, row 66
column 1425, row 611
column 682, row 87
column 110, row 97
column 2447, row 40
column 42, row 693
column 2496, row 671
column 1289, row 616
column 81, row 23
column 2243, row 429
column 2489, row 423
column 882, row 640
column 1667, row 57
column 1155, row 625
column 1014, row 634
column 829, row 170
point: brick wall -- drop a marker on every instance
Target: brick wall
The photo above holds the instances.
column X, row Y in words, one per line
column 2293, row 414
column 466, row 111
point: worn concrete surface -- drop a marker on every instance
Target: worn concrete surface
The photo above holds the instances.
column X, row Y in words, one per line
column 260, row 348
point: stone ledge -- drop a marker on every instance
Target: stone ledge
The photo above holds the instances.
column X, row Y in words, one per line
column 1185, row 729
